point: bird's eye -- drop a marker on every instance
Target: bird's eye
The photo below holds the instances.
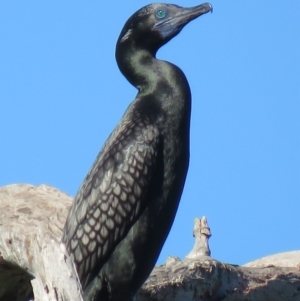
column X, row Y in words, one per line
column 161, row 13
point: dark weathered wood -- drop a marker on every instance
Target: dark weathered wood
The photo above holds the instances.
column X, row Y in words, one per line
column 33, row 263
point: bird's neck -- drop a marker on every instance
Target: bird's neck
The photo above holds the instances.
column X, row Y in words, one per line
column 148, row 74
column 164, row 93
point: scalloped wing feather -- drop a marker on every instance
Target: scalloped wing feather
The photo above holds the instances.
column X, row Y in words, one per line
column 112, row 196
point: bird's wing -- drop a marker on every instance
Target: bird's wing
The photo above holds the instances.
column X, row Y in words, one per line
column 112, row 196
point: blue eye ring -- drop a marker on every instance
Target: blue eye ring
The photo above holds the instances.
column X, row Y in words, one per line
column 161, row 13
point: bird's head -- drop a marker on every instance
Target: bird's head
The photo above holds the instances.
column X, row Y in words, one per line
column 154, row 25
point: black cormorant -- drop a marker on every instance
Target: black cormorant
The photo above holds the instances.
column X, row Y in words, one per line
column 126, row 205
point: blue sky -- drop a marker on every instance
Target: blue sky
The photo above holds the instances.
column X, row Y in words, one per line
column 61, row 94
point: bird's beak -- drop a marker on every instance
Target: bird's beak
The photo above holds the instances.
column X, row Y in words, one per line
column 182, row 17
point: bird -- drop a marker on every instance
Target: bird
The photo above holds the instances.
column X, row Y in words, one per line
column 125, row 207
